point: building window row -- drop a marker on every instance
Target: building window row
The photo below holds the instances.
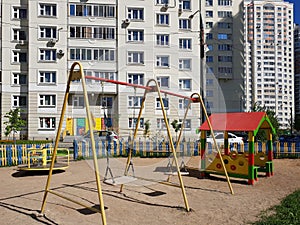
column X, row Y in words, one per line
column 89, row 10
column 99, row 32
column 92, row 54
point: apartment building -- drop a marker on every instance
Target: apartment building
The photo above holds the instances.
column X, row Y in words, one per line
column 297, row 68
column 33, row 63
column 224, row 67
column 131, row 42
column 269, row 57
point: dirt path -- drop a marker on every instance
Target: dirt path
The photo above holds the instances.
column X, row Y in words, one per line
column 153, row 203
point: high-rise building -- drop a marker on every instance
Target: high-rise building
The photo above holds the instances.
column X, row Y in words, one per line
column 297, row 68
column 224, row 66
column 269, row 57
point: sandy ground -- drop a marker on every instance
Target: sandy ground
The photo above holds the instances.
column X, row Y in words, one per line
column 142, row 202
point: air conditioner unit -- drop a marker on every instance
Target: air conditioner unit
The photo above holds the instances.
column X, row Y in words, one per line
column 126, row 21
column 164, row 7
column 52, row 41
column 21, row 42
column 179, row 10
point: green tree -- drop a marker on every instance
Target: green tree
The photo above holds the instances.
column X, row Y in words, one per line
column 297, row 123
column 15, row 123
column 176, row 126
column 272, row 117
column 147, row 128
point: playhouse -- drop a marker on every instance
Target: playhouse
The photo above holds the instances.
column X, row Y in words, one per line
column 238, row 164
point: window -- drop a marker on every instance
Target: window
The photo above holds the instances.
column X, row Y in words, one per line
column 185, row 84
column 94, row 10
column 223, row 25
column 162, row 2
column 224, row 14
column 183, row 103
column 19, row 101
column 225, row 2
column 224, row 36
column 165, row 102
column 162, row 39
column 19, row 34
column 94, row 54
column 161, row 124
column 47, row 77
column 163, row 81
column 47, row 10
column 162, row 19
column 135, row 13
column 19, row 13
column 135, row 57
column 224, row 47
column 210, row 47
column 132, row 122
column 19, row 79
column 19, row 57
column 97, row 32
column 225, row 70
column 185, row 43
column 185, row 64
column 209, row 93
column 47, row 100
column 136, row 78
column 185, row 24
column 48, row 32
column 135, row 36
column 106, row 75
column 47, row 55
column 209, row 2
column 78, row 101
column 47, row 123
column 209, row 14
column 187, row 124
column 209, row 25
column 209, row 36
column 107, row 102
column 209, row 82
column 135, row 101
column 185, row 4
column 224, row 58
column 209, row 58
column 162, row 61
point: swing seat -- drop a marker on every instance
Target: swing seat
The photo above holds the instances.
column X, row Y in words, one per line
column 175, row 173
column 120, row 180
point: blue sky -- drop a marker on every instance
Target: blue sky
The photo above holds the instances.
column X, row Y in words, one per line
column 296, row 10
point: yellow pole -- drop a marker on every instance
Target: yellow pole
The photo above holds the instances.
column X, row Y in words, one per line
column 72, row 76
column 215, row 142
column 90, row 126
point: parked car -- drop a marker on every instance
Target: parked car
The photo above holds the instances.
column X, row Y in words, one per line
column 232, row 139
column 101, row 135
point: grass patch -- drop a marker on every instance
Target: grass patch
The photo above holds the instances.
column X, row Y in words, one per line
column 288, row 212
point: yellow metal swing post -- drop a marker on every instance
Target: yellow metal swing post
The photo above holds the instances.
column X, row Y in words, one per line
column 76, row 75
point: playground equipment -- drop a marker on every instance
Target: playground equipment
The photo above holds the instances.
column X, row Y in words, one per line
column 78, row 75
column 241, row 165
column 39, row 159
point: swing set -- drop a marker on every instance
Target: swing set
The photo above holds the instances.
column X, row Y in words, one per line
column 77, row 74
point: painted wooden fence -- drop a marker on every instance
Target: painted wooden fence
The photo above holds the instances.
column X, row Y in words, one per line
column 12, row 155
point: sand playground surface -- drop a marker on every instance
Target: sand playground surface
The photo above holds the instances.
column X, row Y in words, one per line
column 144, row 201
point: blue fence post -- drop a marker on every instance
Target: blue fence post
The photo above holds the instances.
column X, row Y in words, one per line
column 75, row 151
column 9, row 154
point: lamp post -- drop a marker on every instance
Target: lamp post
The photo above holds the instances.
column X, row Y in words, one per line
column 201, row 55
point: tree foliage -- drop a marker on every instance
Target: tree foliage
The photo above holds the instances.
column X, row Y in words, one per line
column 147, row 128
column 272, row 117
column 15, row 123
